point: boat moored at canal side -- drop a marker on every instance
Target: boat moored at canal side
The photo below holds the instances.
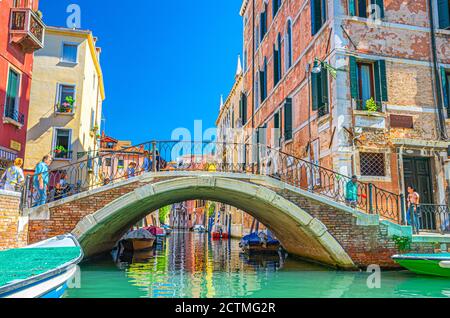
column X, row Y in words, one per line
column 42, row 270
column 425, row 264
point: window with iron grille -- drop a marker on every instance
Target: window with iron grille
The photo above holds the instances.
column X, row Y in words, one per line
column 372, row 164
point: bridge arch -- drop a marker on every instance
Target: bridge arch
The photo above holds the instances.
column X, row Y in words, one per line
column 299, row 232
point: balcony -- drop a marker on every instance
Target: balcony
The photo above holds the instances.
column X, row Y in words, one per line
column 27, row 29
column 13, row 117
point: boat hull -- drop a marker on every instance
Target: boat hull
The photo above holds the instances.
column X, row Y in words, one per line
column 426, row 264
column 137, row 244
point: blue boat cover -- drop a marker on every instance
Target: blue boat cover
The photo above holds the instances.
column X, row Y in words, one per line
column 254, row 239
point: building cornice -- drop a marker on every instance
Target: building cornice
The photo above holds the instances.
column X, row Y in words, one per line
column 243, row 7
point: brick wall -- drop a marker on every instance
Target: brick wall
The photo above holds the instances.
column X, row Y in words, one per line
column 13, row 227
column 364, row 244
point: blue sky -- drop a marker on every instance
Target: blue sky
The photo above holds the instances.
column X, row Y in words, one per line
column 165, row 63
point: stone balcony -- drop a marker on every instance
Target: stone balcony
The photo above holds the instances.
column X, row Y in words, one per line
column 26, row 29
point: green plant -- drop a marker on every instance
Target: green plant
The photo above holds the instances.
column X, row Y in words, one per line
column 60, row 149
column 371, row 105
column 70, row 100
column 403, row 243
column 163, row 212
column 39, row 14
column 211, row 209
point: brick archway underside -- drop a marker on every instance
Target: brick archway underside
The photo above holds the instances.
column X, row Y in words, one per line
column 299, row 232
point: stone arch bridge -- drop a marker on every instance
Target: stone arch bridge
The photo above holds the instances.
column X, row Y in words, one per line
column 307, row 224
column 303, row 204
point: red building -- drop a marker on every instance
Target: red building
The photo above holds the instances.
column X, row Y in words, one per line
column 21, row 33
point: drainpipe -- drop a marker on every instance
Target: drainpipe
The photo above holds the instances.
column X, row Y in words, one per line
column 253, row 66
column 438, row 87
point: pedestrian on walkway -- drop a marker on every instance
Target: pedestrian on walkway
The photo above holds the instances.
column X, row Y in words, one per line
column 147, row 162
column 131, row 171
column 413, row 208
column 41, row 179
column 351, row 192
column 13, row 176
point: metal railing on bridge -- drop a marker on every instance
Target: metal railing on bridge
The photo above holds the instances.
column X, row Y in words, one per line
column 258, row 159
column 429, row 218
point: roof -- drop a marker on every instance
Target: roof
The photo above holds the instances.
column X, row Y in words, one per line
column 87, row 34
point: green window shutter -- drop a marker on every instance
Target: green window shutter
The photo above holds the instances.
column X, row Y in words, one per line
column 445, row 86
column 377, row 81
column 276, row 120
column 12, row 92
column 351, row 8
column 314, row 21
column 315, row 91
column 444, row 15
column 288, row 119
column 276, row 75
column 244, row 109
column 324, row 85
column 353, row 78
column 383, row 80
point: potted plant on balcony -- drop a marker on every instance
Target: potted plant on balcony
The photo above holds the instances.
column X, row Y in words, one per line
column 371, row 106
column 60, row 150
column 67, row 105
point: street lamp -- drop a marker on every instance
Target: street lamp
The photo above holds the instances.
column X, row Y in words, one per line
column 317, row 67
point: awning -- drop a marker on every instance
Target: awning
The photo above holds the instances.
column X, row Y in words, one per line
column 7, row 155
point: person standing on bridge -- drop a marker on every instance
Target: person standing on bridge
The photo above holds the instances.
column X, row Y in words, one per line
column 40, row 180
column 13, row 176
column 351, row 192
column 413, row 207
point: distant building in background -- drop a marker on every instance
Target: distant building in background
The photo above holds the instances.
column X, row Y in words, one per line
column 230, row 122
column 66, row 98
column 21, row 33
column 117, row 155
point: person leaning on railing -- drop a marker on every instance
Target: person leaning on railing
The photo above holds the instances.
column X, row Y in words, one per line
column 13, row 177
column 351, row 192
column 41, row 179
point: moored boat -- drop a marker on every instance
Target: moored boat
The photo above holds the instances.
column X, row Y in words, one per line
column 42, row 270
column 259, row 242
column 425, row 264
column 137, row 240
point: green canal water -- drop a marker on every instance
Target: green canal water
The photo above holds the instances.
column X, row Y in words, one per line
column 191, row 265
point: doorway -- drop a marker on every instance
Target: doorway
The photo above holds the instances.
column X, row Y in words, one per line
column 417, row 173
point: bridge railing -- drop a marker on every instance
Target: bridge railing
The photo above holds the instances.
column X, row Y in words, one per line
column 429, row 218
column 112, row 166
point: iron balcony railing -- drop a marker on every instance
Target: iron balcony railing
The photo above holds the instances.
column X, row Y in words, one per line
column 14, row 114
column 110, row 167
column 27, row 29
column 429, row 218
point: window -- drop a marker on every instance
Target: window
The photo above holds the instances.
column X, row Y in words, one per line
column 368, row 80
column 69, row 53
column 65, row 98
column 444, row 13
column 372, row 164
column 276, row 129
column 288, row 119
column 276, row 4
column 12, row 96
column 244, row 60
column 256, row 89
column 318, row 15
column 263, row 22
column 92, row 119
column 366, row 8
column 277, row 61
column 62, row 143
column 319, row 84
column 288, row 46
column 243, row 109
column 121, row 164
column 445, row 77
column 263, row 82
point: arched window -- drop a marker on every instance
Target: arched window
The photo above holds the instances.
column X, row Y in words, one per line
column 288, row 45
column 277, row 61
column 263, row 81
column 276, row 4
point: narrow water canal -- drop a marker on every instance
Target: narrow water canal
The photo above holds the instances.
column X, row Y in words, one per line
column 191, row 265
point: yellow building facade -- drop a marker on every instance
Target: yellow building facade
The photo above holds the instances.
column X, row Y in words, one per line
column 66, row 98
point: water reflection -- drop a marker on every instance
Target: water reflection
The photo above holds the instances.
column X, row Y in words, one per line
column 191, row 265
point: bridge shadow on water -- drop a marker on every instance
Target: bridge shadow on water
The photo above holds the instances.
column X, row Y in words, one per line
column 190, row 264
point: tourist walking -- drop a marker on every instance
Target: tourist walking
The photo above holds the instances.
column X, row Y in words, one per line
column 41, row 179
column 413, row 208
column 351, row 192
column 13, row 177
